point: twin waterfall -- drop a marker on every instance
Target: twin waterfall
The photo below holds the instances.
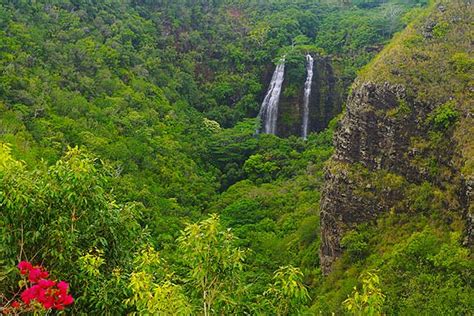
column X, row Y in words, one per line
column 307, row 94
column 269, row 110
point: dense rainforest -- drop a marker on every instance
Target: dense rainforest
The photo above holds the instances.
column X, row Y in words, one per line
column 135, row 177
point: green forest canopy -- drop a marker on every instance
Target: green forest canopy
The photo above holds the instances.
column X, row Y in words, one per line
column 137, row 118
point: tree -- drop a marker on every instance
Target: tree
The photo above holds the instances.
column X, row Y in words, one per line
column 287, row 293
column 370, row 301
column 214, row 264
column 53, row 215
column 153, row 292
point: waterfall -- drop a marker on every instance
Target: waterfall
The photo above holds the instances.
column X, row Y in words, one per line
column 307, row 94
column 269, row 110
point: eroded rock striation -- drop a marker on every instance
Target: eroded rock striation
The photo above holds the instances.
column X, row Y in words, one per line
column 369, row 137
column 403, row 144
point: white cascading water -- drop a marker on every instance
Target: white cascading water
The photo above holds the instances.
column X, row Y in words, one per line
column 269, row 110
column 307, row 94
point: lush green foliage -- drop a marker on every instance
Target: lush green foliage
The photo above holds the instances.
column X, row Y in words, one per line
column 444, row 116
column 214, row 265
column 420, row 263
column 287, row 293
column 160, row 96
column 370, row 301
column 152, row 289
column 58, row 214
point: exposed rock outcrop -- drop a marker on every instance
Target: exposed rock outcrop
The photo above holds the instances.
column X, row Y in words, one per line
column 376, row 163
column 389, row 150
column 375, row 140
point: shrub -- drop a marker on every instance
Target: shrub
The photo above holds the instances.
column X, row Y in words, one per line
column 368, row 302
column 287, row 293
column 55, row 214
column 462, row 63
column 444, row 116
column 356, row 245
column 40, row 293
column 441, row 29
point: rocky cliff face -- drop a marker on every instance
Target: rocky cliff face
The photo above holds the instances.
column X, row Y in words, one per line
column 392, row 154
column 374, row 141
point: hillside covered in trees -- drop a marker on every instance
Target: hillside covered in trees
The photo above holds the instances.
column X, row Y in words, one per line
column 134, row 164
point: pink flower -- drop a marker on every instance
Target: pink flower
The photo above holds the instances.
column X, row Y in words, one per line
column 45, row 283
column 63, row 287
column 50, row 294
column 41, row 294
column 24, row 267
column 48, row 302
column 58, row 306
column 68, row 300
column 29, row 294
column 35, row 275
